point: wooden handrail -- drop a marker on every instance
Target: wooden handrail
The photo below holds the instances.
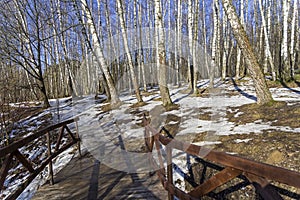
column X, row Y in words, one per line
column 12, row 150
column 257, row 173
column 22, row 142
column 270, row 172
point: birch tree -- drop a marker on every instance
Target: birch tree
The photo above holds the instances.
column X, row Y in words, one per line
column 285, row 67
column 130, row 63
column 191, row 44
column 267, row 53
column 214, row 54
column 161, row 55
column 239, row 52
column 178, row 43
column 97, row 50
column 262, row 91
column 294, row 32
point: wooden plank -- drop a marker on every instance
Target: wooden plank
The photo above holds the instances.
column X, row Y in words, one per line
column 18, row 144
column 217, row 180
column 24, row 161
column 59, row 138
column 4, row 169
column 270, row 172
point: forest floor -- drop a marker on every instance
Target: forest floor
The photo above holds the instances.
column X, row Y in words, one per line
column 224, row 119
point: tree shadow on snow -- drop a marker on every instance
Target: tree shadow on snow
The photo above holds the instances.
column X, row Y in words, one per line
column 289, row 88
column 249, row 96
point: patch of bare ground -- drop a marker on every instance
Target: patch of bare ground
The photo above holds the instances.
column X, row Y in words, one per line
column 277, row 113
column 272, row 146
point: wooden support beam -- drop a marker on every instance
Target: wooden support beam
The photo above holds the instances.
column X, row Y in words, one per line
column 20, row 143
column 217, row 180
column 59, row 138
column 4, row 169
column 170, row 170
column 263, row 187
column 77, row 135
column 70, row 133
column 50, row 165
column 24, row 161
column 23, row 186
column 270, row 172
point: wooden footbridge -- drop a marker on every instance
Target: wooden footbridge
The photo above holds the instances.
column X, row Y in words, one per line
column 87, row 178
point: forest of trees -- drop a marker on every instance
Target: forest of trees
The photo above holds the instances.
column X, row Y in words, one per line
column 58, row 48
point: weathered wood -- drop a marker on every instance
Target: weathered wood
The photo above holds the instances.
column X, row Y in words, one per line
column 169, row 170
column 18, row 144
column 29, row 179
column 4, row 169
column 217, row 180
column 24, row 161
column 50, row 165
column 59, row 138
column 77, row 135
column 263, row 187
column 270, row 172
column 161, row 162
column 70, row 133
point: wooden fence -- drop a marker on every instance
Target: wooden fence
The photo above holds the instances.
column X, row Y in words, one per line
column 13, row 151
column 230, row 167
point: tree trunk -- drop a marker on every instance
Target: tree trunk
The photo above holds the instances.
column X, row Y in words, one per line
column 191, row 44
column 268, row 56
column 262, row 91
column 285, row 67
column 124, row 35
column 115, row 101
column 178, row 43
column 226, row 47
column 161, row 55
column 293, row 37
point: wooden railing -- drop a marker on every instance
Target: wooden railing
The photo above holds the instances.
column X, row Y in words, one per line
column 230, row 167
column 8, row 153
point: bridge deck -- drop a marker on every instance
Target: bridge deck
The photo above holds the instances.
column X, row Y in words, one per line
column 86, row 178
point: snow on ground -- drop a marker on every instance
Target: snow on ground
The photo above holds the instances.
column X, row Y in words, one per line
column 101, row 131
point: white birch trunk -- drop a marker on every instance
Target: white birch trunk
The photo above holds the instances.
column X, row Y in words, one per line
column 226, row 46
column 178, row 42
column 268, row 56
column 195, row 40
column 262, row 91
column 190, row 36
column 239, row 52
column 115, row 101
column 131, row 67
column 285, row 67
column 161, row 55
column 214, row 43
column 293, row 37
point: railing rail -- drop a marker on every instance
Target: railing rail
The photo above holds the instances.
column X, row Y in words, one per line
column 256, row 173
column 13, row 150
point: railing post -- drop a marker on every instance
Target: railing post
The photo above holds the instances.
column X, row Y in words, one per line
column 169, row 170
column 50, row 165
column 77, row 136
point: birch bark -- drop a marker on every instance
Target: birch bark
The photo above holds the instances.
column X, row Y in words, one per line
column 127, row 51
column 161, row 55
column 262, row 91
